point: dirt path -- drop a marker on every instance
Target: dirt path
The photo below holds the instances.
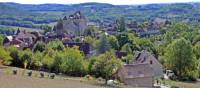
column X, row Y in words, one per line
column 12, row 81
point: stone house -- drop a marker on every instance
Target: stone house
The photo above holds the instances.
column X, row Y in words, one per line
column 22, row 40
column 138, row 75
column 145, row 57
column 142, row 70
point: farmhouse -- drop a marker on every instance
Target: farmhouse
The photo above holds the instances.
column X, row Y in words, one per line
column 142, row 71
column 140, row 75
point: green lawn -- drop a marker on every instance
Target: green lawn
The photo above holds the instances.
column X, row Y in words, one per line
column 21, row 80
column 184, row 84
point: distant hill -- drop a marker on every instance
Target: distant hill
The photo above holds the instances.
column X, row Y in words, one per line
column 98, row 12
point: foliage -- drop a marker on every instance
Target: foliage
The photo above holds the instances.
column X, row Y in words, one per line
column 92, row 41
column 26, row 57
column 5, row 56
column 73, row 62
column 47, row 61
column 197, row 50
column 106, row 65
column 127, row 48
column 128, row 58
column 14, row 53
column 122, row 25
column 113, row 42
column 37, row 59
column 180, row 58
column 46, row 28
column 122, row 39
column 39, row 46
column 103, row 45
column 57, row 61
column 56, row 45
column 90, row 31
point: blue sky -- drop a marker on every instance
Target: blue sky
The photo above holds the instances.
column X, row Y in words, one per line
column 116, row 2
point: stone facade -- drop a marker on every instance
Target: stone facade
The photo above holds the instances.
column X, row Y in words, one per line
column 145, row 57
column 74, row 24
column 142, row 70
column 140, row 75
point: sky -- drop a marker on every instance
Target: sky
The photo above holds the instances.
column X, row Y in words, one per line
column 115, row 2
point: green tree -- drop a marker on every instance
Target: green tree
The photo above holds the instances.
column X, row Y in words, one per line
column 92, row 41
column 47, row 61
column 39, row 46
column 197, row 50
column 180, row 58
column 37, row 59
column 46, row 28
column 73, row 62
column 106, row 65
column 5, row 56
column 1, row 40
column 113, row 42
column 57, row 61
column 14, row 53
column 127, row 48
column 103, row 45
column 122, row 25
column 90, row 31
column 92, row 60
column 26, row 57
column 128, row 58
column 122, row 39
column 56, row 45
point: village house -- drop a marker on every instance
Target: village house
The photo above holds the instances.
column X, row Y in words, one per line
column 142, row 70
column 22, row 39
column 138, row 75
column 151, row 28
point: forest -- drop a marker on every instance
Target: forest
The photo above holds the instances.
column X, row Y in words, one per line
column 31, row 15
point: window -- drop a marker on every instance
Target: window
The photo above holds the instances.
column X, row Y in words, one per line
column 140, row 74
column 129, row 73
column 151, row 62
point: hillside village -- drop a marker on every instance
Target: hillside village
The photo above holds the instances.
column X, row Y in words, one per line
column 73, row 26
column 141, row 54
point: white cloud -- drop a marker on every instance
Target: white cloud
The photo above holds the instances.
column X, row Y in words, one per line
column 118, row 2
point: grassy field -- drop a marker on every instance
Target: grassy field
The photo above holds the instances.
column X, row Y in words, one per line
column 184, row 84
column 21, row 80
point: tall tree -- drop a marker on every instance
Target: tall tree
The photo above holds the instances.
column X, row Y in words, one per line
column 103, row 45
column 14, row 53
column 180, row 58
column 122, row 25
